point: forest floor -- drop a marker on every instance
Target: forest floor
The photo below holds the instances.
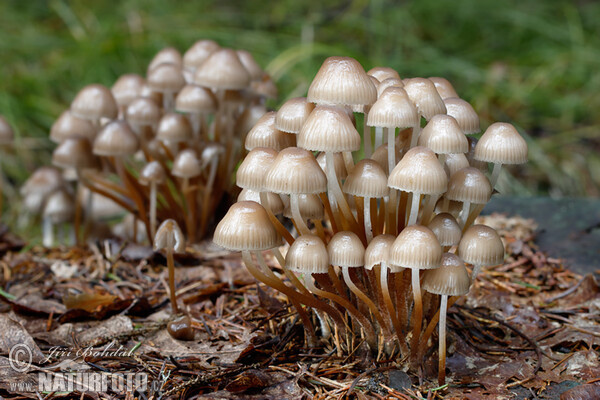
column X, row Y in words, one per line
column 529, row 329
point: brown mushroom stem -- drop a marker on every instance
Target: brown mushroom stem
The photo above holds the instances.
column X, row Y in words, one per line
column 133, row 193
column 171, row 266
column 391, row 147
column 367, row 134
column 473, row 214
column 127, row 206
column 431, row 327
column 401, row 281
column 320, row 229
column 416, row 131
column 348, row 161
column 381, row 216
column 362, row 296
column 337, row 283
column 417, row 311
column 391, row 207
column 333, row 218
column 298, row 219
column 495, row 174
column 270, row 279
column 264, row 200
column 206, row 200
column 152, row 209
column 442, row 341
column 475, row 272
column 334, row 185
column 387, row 298
column 370, row 336
column 429, row 201
column 401, row 220
column 414, row 209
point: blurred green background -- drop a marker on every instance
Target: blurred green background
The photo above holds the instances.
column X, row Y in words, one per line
column 532, row 63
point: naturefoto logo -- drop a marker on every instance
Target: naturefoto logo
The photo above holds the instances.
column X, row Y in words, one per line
column 21, row 359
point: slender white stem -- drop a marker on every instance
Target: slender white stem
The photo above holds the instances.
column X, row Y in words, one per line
column 391, row 149
column 495, row 174
column 367, row 218
column 334, row 183
column 195, row 122
column 348, row 161
column 48, row 234
column 300, row 222
column 354, row 289
column 379, row 135
column 428, row 209
column 152, row 210
column 475, row 272
column 416, row 131
column 442, row 340
column 417, row 310
column 366, row 134
column 464, row 213
column 414, row 209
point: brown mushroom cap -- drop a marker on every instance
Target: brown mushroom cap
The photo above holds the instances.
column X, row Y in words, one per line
column 166, row 78
column 116, row 139
column 446, row 229
column 341, row 80
column 222, row 70
column 383, row 73
column 169, row 236
column 195, row 99
column 393, row 109
column 264, row 134
column 252, row 171
column 59, row 207
column 388, row 83
column 380, row 156
column 367, row 179
column 168, row 55
column 423, row 93
column 455, row 162
column 295, row 170
column 68, row 125
column 416, row 247
column 451, row 279
column 310, row 207
column 186, row 164
column 443, row 135
column 275, row 203
column 481, row 245
column 175, row 128
column 292, row 114
column 246, row 226
column 308, row 255
column 248, row 61
column 198, row 53
column 346, row 250
column 443, row 87
column 329, row 129
column 143, row 111
column 501, row 143
column 419, row 171
column 127, row 88
column 74, row 153
column 94, row 102
column 152, row 172
column 469, row 185
column 378, row 250
column 464, row 114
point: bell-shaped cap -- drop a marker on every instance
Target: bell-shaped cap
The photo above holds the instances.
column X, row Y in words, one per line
column 186, row 164
column 419, row 171
column 43, row 181
column 380, row 156
column 443, row 135
column 310, row 207
column 367, row 179
column 58, row 207
column 383, row 73
column 198, row 53
column 152, row 172
column 246, row 226
column 295, row 170
column 68, row 125
column 275, row 203
column 143, row 111
column 464, row 114
column 342, row 80
column 251, row 172
column 167, row 55
column 416, row 247
column 451, row 279
column 222, row 70
column 378, row 251
column 329, row 129
column 446, row 229
column 169, row 236
column 248, row 61
column 211, row 152
column 93, row 102
column 195, row 99
column 443, row 87
column 174, row 128
column 249, row 117
column 393, row 109
column 423, row 93
column 502, row 144
column 265, row 134
column 166, row 78
column 292, row 114
column 481, row 245
column 345, row 249
column 76, row 153
column 116, row 139
column 455, row 162
column 127, row 88
column 388, row 83
column 308, row 255
column 469, row 185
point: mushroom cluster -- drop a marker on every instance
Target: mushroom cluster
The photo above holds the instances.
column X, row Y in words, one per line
column 366, row 237
column 160, row 147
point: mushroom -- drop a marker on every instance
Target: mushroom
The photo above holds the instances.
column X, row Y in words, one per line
column 94, row 102
column 152, row 174
column 450, row 279
column 167, row 79
column 481, row 246
column 170, row 238
column 58, row 209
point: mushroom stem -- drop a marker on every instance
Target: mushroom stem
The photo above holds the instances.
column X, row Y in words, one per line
column 320, row 229
column 333, row 218
column 391, row 147
column 264, row 200
column 473, row 214
column 359, row 294
column 300, row 222
column 168, row 101
column 48, row 232
column 442, row 341
column 430, row 201
column 171, row 266
column 475, row 272
column 77, row 221
column 270, row 279
column 370, row 336
column 416, row 131
column 379, row 134
column 392, row 207
column 367, row 218
column 335, row 187
column 414, row 209
column 401, row 219
column 366, row 134
column 495, row 174
column 431, row 327
column 464, row 214
column 152, row 210
column 390, row 307
column 206, row 200
column 417, row 311
column 348, row 161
